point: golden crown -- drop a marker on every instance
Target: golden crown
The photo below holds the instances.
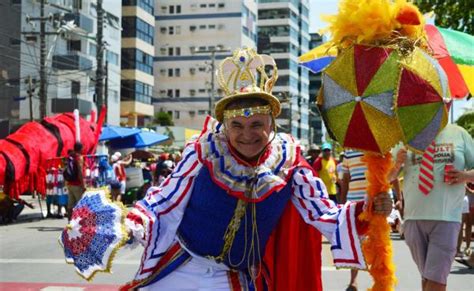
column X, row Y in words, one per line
column 247, row 75
column 245, row 72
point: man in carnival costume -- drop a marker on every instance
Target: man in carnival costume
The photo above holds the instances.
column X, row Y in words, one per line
column 225, row 219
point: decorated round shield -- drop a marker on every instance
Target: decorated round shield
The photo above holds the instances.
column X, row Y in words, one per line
column 373, row 97
column 96, row 231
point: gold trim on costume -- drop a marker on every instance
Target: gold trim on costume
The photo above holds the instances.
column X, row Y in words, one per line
column 247, row 112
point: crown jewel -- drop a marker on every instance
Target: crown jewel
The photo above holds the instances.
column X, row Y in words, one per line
column 246, row 71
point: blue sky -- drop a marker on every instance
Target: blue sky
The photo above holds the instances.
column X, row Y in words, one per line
column 318, row 7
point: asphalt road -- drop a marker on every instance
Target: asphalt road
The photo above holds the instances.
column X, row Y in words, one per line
column 32, row 259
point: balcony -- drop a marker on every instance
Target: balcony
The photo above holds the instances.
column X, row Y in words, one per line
column 61, row 105
column 82, row 21
column 72, row 61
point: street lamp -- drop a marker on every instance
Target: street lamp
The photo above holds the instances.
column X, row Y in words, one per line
column 213, row 71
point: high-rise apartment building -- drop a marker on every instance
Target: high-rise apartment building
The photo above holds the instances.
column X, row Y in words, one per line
column 186, row 34
column 70, row 57
column 283, row 33
column 315, row 120
column 138, row 50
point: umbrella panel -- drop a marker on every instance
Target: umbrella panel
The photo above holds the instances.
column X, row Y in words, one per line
column 386, row 78
column 422, row 139
column 414, row 119
column 367, row 62
column 342, row 71
column 359, row 135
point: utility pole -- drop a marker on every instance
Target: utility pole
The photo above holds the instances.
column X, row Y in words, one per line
column 213, row 72
column 43, row 98
column 42, row 89
column 99, row 85
column 106, row 89
column 30, row 91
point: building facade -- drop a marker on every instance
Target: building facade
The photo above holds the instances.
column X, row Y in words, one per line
column 283, row 33
column 315, row 120
column 186, row 34
column 10, row 58
column 70, row 62
column 138, row 50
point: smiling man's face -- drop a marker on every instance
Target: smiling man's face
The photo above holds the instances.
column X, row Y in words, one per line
column 249, row 136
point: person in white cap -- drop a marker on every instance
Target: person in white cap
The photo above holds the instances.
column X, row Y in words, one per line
column 118, row 187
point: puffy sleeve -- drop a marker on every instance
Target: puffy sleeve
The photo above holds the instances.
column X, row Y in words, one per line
column 155, row 219
column 338, row 223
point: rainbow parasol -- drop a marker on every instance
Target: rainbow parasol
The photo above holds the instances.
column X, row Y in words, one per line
column 452, row 49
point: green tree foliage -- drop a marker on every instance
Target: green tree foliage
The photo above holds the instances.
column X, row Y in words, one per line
column 467, row 121
column 163, row 119
column 454, row 14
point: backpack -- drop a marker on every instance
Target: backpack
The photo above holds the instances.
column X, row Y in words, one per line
column 71, row 171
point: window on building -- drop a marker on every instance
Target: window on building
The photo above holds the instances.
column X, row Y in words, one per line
column 75, row 88
column 170, row 30
column 170, row 72
column 204, row 5
column 192, row 27
column 176, row 93
column 178, row 9
column 202, row 48
column 202, row 26
column 192, row 49
column 112, row 58
column 135, row 27
column 170, row 93
column 77, row 4
column 177, row 51
column 15, row 41
column 202, row 69
column 147, row 5
column 211, row 26
column 202, row 90
column 137, row 59
column 170, row 51
column 177, row 72
column 176, row 114
column 202, row 112
column 178, row 29
column 163, row 29
column 74, row 45
column 171, row 9
column 212, row 5
column 92, row 49
column 136, row 91
column 221, row 5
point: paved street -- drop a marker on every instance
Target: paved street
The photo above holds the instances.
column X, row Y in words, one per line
column 31, row 259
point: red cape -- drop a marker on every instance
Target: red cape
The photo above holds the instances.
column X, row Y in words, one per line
column 293, row 254
column 292, row 260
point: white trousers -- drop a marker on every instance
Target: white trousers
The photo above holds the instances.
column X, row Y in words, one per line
column 197, row 274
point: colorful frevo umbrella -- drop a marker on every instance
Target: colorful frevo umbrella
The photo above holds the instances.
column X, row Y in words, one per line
column 373, row 97
column 94, row 234
column 452, row 49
